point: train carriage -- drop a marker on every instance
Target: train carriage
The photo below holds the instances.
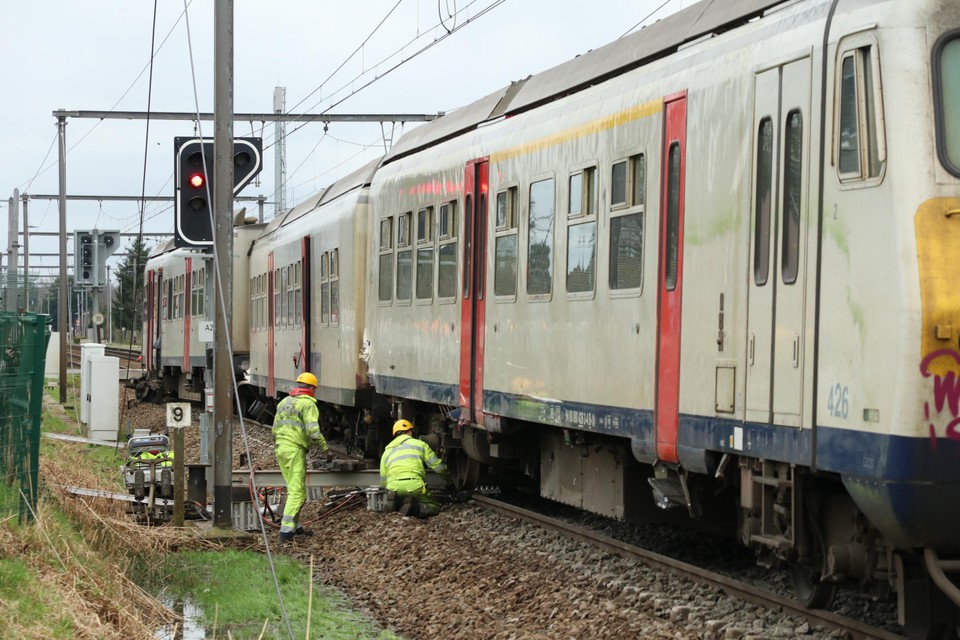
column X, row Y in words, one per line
column 718, row 247
column 176, row 303
column 306, row 275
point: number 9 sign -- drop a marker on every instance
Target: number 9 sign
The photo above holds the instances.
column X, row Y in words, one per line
column 178, row 414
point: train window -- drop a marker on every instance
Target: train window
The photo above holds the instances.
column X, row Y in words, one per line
column 540, row 238
column 325, row 288
column 638, row 180
column 507, row 209
column 618, row 185
column 792, row 166
column 626, row 251
column 403, row 229
column 335, row 287
column 582, row 197
column 447, row 252
column 425, row 253
column 861, row 154
column 404, row 258
column 425, row 225
column 276, row 297
column 467, row 243
column 386, row 233
column 385, row 292
column 298, row 293
column 581, row 257
column 627, row 187
column 404, row 275
column 506, row 244
column 424, row 273
column 505, row 264
column 627, row 182
column 673, row 217
column 946, row 80
column 764, row 196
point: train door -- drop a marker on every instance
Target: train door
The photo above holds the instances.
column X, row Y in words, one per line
column 775, row 318
column 472, row 310
column 670, row 276
column 149, row 329
column 187, row 310
column 271, row 321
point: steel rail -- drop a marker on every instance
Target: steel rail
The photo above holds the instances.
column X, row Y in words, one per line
column 729, row 586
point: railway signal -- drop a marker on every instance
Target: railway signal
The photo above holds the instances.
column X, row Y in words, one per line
column 193, row 191
column 83, row 250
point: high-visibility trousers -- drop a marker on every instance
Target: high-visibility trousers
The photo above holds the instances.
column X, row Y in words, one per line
column 293, row 465
column 416, row 489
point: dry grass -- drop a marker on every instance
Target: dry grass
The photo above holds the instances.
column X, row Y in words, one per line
column 78, row 552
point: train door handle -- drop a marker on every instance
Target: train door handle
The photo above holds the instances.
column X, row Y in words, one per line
column 796, row 351
column 753, row 341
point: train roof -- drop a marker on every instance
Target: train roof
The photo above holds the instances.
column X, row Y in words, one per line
column 358, row 178
column 635, row 50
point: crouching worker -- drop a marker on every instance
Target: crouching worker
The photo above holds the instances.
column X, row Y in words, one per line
column 403, row 473
column 295, row 427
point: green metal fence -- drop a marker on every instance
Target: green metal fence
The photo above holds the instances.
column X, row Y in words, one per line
column 23, row 350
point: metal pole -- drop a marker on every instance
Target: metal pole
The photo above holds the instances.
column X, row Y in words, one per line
column 280, row 170
column 64, row 300
column 223, row 240
column 26, row 255
column 13, row 248
column 109, row 307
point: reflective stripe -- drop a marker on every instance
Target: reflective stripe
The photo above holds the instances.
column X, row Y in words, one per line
column 408, row 456
column 432, row 461
column 441, row 468
column 312, row 425
column 288, row 423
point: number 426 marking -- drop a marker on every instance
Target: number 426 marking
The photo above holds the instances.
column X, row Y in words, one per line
column 839, row 401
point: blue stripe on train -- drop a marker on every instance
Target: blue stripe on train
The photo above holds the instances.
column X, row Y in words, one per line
column 857, row 454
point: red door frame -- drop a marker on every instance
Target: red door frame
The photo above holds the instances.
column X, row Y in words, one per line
column 667, row 416
column 187, row 285
column 473, row 307
column 305, row 304
column 148, row 338
column 271, row 385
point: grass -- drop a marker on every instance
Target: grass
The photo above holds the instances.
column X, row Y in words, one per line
column 71, row 572
column 236, row 591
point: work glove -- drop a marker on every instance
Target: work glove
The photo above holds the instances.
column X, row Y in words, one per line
column 329, row 455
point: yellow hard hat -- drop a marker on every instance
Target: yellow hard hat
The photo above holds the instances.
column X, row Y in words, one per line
column 307, row 378
column 401, row 425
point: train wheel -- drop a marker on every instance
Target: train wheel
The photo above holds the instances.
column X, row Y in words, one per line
column 467, row 471
column 810, row 589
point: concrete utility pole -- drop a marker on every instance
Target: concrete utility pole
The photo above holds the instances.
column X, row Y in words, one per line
column 26, row 257
column 64, row 300
column 223, row 242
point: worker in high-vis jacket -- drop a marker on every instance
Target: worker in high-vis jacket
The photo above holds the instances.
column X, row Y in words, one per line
column 296, row 427
column 403, row 472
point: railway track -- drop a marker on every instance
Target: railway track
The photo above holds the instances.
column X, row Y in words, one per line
column 730, row 586
column 126, row 356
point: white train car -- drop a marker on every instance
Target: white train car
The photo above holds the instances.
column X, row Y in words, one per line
column 178, row 285
column 306, row 304
column 706, row 266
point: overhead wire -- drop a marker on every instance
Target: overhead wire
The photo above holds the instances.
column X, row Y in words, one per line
column 647, row 17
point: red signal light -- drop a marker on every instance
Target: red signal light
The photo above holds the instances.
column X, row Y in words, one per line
column 197, row 180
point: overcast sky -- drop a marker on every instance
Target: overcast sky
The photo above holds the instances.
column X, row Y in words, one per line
column 94, row 56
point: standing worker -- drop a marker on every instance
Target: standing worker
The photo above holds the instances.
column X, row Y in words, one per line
column 295, row 427
column 403, row 473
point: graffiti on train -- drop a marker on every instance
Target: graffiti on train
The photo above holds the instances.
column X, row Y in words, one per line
column 946, row 395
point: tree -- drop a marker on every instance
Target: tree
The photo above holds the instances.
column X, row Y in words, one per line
column 128, row 296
